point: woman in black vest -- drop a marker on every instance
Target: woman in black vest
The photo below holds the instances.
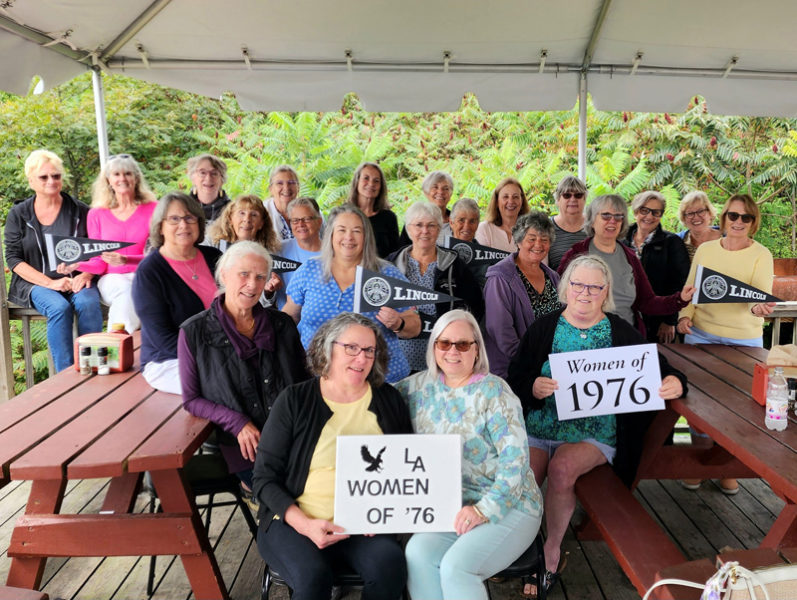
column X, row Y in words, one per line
column 237, row 356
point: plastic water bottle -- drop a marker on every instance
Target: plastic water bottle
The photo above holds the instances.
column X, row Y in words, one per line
column 777, row 402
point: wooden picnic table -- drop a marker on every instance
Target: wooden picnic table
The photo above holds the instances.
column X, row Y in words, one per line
column 78, row 427
column 720, row 404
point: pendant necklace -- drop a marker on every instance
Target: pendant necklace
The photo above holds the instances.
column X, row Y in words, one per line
column 191, row 265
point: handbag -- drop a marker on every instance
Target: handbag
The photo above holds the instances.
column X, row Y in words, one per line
column 734, row 582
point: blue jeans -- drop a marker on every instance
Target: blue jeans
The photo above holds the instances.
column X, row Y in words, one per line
column 59, row 308
column 309, row 571
column 445, row 566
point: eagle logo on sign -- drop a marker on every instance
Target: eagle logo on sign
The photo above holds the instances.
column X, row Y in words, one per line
column 376, row 291
column 374, row 462
column 714, row 287
column 67, row 250
column 465, row 252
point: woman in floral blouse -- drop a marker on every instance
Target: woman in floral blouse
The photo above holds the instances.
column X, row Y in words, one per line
column 502, row 505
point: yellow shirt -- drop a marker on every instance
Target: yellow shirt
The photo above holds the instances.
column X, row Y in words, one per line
column 351, row 418
column 754, row 266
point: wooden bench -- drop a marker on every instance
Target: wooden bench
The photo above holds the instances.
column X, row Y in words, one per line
column 9, row 593
column 630, row 532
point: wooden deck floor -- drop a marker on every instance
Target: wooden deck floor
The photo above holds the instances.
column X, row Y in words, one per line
column 701, row 523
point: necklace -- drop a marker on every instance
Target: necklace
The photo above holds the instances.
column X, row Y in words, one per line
column 191, row 264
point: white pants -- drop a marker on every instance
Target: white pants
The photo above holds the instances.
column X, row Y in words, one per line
column 115, row 292
column 164, row 376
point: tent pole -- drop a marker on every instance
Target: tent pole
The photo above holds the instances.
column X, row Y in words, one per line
column 582, row 127
column 99, row 111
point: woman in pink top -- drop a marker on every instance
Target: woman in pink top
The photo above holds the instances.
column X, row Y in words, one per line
column 122, row 206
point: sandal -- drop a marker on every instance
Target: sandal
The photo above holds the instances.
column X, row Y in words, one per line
column 549, row 579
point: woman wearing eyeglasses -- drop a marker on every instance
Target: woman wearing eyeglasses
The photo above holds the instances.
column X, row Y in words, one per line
column 305, row 221
column 663, row 256
column 208, row 173
column 605, row 222
column 502, row 505
column 565, row 450
column 739, row 256
column 570, row 196
column 174, row 282
column 697, row 214
column 294, row 477
column 34, row 281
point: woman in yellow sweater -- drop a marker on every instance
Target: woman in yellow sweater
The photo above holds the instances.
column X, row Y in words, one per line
column 741, row 257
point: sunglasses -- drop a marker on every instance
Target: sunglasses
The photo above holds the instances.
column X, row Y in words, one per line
column 445, row 345
column 735, row 215
column 53, row 176
column 645, row 211
column 568, row 195
column 607, row 216
column 354, row 349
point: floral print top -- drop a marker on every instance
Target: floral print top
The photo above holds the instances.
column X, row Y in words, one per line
column 495, row 456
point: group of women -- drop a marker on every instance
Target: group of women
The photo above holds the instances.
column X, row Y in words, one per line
column 283, row 366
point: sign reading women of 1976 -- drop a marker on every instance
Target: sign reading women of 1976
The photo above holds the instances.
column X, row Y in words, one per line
column 398, row 483
column 607, row 381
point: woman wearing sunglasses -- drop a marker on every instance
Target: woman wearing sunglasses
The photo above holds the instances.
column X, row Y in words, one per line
column 739, row 256
column 606, row 222
column 663, row 257
column 502, row 505
column 570, row 196
column 33, row 281
column 565, row 450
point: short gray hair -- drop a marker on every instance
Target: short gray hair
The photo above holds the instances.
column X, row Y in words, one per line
column 421, row 209
column 642, row 197
column 303, row 201
column 282, row 169
column 465, row 204
column 594, row 208
column 482, row 364
column 370, row 259
column 535, row 220
column 235, row 253
column 693, row 198
column 215, row 162
column 587, row 261
column 435, row 177
column 159, row 216
column 319, row 352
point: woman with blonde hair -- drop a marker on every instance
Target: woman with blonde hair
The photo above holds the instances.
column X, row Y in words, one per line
column 245, row 218
column 121, row 208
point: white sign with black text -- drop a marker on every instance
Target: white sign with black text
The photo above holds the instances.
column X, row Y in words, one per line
column 607, row 381
column 398, row 483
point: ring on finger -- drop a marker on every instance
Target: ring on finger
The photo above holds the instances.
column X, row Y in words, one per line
column 467, row 521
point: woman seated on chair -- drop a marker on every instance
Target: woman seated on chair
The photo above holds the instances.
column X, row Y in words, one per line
column 502, row 504
column 237, row 356
column 294, row 476
column 565, row 450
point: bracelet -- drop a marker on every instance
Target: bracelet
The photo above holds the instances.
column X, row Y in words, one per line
column 400, row 327
column 479, row 513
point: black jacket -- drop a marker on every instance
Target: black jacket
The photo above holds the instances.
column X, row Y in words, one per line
column 291, row 434
column 24, row 241
column 227, row 379
column 453, row 277
column 527, row 364
column 666, row 263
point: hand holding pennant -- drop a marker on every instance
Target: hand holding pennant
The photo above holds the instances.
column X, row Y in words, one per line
column 69, row 250
column 715, row 287
column 281, row 264
column 373, row 290
column 474, row 254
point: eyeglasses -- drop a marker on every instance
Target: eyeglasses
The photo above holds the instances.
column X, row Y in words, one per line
column 302, row 221
column 290, row 182
column 461, row 346
column 645, row 211
column 214, row 174
column 607, row 216
column 695, row 213
column 592, row 289
column 735, row 215
column 354, row 349
column 175, row 219
column 422, row 226
column 568, row 195
column 53, row 176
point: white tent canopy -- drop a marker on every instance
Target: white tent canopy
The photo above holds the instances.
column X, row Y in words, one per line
column 513, row 54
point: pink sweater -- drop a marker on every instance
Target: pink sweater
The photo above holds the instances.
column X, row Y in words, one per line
column 103, row 225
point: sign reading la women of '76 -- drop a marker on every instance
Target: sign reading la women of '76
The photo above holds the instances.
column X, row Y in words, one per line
column 398, row 483
column 607, row 381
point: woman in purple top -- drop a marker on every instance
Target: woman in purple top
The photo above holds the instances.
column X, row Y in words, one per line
column 236, row 356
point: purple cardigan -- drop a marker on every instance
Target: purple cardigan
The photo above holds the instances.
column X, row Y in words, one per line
column 646, row 301
column 508, row 312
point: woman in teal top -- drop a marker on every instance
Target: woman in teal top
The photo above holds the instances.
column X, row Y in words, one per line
column 502, row 505
column 565, row 450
